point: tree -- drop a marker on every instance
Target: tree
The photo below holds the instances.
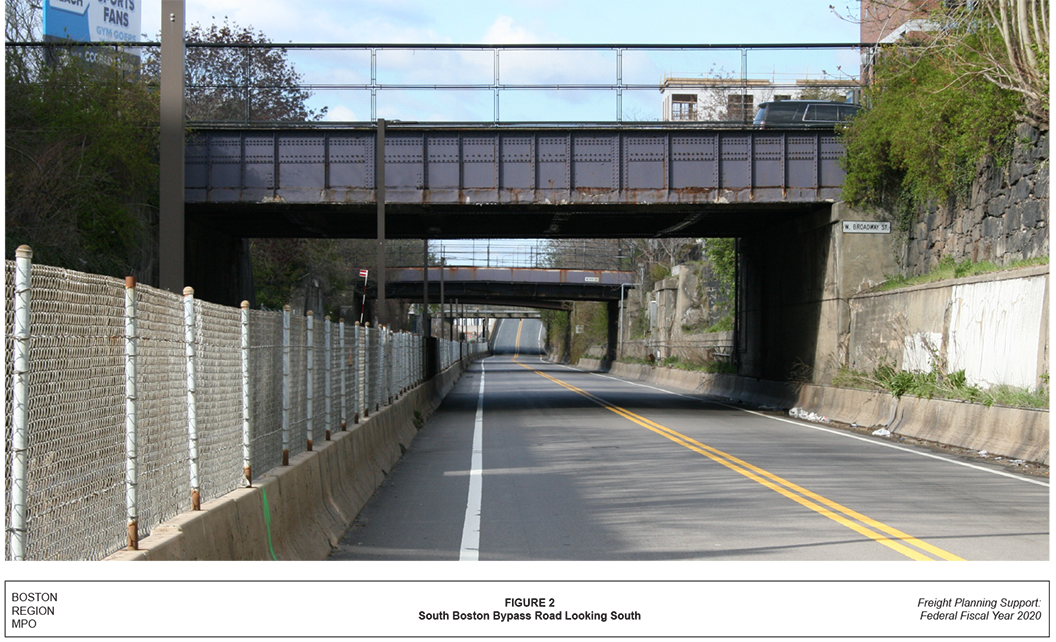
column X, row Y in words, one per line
column 944, row 100
column 240, row 79
column 80, row 152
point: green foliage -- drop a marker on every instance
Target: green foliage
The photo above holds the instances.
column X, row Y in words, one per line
column 716, row 366
column 928, row 124
column 659, row 272
column 948, row 268
column 722, row 252
column 935, row 384
column 725, row 324
column 556, row 322
column 81, row 164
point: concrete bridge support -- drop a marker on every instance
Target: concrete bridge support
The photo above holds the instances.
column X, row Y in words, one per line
column 793, row 299
column 612, row 309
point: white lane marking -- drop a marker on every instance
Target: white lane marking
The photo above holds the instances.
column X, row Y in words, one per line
column 471, row 527
column 839, row 433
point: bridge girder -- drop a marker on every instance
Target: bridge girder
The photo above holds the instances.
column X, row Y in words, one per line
column 483, row 181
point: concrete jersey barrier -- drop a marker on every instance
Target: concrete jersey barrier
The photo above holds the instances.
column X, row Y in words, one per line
column 300, row 511
column 1017, row 433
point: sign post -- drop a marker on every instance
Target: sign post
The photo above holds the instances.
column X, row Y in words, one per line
column 362, row 309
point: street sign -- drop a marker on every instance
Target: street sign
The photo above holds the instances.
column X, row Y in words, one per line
column 866, row 227
column 363, row 273
column 592, row 279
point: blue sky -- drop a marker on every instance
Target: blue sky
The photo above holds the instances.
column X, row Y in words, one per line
column 582, row 21
column 530, row 21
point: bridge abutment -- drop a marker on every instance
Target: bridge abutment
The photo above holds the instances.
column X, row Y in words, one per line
column 796, row 285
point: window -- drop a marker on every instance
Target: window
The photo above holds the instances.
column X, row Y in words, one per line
column 683, row 107
column 740, row 107
column 821, row 113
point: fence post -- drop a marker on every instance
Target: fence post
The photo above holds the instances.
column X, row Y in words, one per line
column 344, row 371
column 311, row 357
column 386, row 357
column 367, row 363
column 20, row 420
column 247, row 443
column 192, row 408
column 357, row 379
column 286, row 385
column 131, row 433
column 326, row 371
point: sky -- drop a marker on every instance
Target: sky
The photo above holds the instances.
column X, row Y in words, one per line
column 529, row 21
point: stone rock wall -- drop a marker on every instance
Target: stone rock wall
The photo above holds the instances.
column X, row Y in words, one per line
column 1006, row 217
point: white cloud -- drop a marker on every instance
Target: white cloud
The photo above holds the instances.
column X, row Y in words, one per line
column 340, row 113
column 503, row 31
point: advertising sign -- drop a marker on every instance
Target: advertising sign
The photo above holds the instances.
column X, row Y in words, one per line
column 93, row 20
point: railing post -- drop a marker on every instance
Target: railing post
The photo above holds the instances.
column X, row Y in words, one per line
column 326, row 373
column 192, row 390
column 20, row 418
column 310, row 368
column 131, row 401
column 286, row 385
column 344, row 371
column 247, row 429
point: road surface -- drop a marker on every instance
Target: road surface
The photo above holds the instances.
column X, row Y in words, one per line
column 570, row 465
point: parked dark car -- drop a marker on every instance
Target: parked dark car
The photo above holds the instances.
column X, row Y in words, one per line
column 804, row 113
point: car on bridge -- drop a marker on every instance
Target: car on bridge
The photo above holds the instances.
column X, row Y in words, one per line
column 804, row 113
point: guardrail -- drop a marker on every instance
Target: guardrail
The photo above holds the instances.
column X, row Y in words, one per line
column 128, row 405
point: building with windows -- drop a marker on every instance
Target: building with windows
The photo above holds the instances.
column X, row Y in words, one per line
column 733, row 100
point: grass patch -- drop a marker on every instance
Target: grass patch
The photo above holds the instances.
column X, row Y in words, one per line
column 716, row 367
column 936, row 385
column 950, row 269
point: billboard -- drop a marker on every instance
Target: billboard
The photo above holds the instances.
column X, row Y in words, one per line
column 93, row 20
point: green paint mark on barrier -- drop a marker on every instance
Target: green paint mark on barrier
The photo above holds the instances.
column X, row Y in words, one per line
column 267, row 523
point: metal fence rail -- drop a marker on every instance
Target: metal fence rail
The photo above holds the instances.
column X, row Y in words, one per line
column 134, row 403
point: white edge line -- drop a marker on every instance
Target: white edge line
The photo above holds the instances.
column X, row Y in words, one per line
column 470, row 549
column 839, row 433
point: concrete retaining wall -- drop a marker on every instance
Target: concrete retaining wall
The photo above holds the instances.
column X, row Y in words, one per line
column 300, row 511
column 1009, row 432
column 995, row 327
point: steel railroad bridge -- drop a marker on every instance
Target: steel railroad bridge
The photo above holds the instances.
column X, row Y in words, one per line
column 446, row 181
column 523, row 287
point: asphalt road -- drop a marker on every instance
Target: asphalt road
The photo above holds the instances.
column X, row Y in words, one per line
column 580, row 466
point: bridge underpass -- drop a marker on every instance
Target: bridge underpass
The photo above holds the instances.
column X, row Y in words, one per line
column 773, row 189
column 553, row 289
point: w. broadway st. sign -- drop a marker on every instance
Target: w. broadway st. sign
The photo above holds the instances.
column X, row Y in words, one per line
column 528, row 181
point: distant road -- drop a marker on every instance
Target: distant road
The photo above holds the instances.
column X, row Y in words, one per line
column 580, row 466
column 513, row 336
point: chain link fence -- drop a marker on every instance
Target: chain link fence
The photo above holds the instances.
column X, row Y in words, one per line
column 115, row 429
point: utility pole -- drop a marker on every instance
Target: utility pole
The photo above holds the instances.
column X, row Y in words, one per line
column 379, row 173
column 171, row 231
column 426, row 330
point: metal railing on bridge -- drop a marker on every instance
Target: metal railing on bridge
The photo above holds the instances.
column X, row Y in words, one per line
column 595, row 82
column 128, row 405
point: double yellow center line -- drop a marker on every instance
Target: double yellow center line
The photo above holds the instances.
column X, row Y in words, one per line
column 882, row 533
